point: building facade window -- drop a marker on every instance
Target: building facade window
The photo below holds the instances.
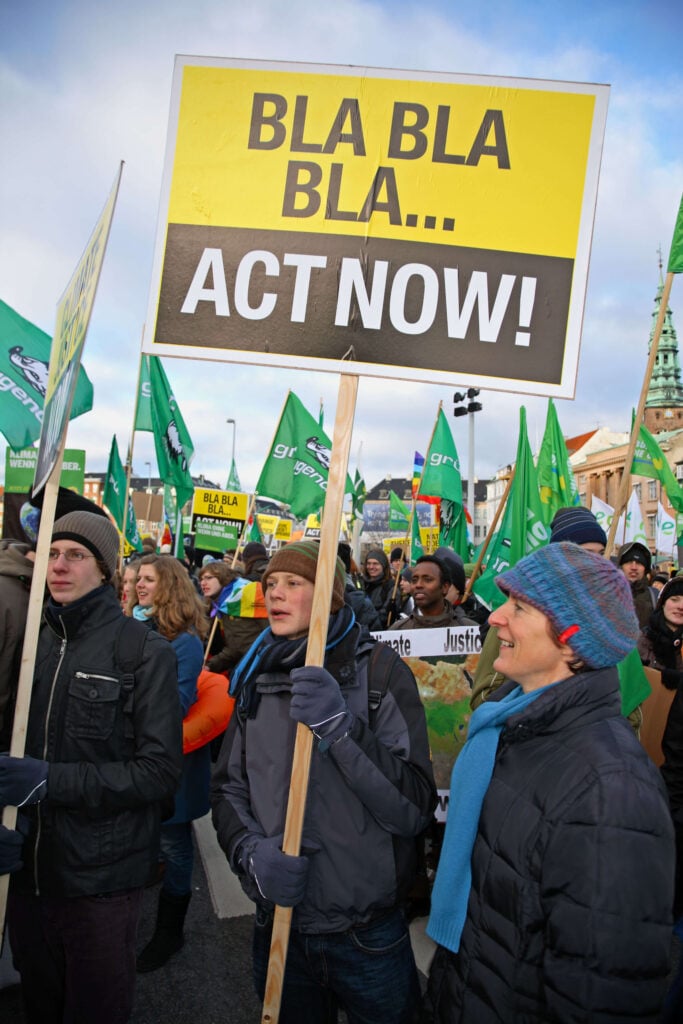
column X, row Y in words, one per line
column 652, row 490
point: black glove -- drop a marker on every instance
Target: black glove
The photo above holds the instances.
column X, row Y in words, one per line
column 11, row 843
column 23, row 780
column 280, row 877
column 317, row 701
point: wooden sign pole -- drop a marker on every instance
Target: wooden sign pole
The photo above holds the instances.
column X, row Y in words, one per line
column 622, row 496
column 28, row 657
column 315, row 655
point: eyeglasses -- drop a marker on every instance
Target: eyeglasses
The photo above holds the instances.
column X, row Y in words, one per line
column 71, row 555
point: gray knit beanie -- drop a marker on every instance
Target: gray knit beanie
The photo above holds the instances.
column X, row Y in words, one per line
column 96, row 533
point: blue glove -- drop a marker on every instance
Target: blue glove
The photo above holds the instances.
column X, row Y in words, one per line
column 11, row 843
column 280, row 877
column 23, row 780
column 317, row 701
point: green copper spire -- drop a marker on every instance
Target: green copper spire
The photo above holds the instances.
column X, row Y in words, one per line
column 666, row 389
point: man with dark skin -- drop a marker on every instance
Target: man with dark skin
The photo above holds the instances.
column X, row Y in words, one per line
column 431, row 582
column 429, row 588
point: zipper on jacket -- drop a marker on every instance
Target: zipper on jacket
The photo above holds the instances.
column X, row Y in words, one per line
column 94, row 675
column 62, row 649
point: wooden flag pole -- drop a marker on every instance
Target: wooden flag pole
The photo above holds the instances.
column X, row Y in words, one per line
column 622, row 497
column 207, row 649
column 489, row 535
column 240, row 539
column 315, row 655
column 129, row 461
column 28, row 656
column 407, row 543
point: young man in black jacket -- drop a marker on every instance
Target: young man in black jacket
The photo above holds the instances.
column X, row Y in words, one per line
column 103, row 754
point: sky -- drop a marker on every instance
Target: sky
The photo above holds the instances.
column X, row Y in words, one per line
column 85, row 85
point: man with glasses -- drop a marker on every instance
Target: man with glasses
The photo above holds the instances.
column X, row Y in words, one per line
column 103, row 754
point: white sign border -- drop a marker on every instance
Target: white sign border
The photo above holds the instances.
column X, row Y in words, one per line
column 566, row 388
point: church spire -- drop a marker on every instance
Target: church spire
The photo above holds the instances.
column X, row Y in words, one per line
column 664, row 403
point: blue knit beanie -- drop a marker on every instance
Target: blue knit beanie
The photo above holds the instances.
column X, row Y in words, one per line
column 577, row 524
column 575, row 587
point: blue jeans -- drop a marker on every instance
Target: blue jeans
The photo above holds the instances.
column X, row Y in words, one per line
column 177, row 850
column 368, row 971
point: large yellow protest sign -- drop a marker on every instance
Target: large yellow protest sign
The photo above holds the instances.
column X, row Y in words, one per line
column 440, row 224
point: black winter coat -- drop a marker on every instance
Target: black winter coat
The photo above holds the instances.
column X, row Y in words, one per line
column 114, row 759
column 569, row 914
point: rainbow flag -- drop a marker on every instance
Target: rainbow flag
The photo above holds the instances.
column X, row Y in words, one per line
column 418, row 467
column 244, row 600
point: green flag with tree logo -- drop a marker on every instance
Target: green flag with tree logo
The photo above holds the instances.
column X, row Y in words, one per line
column 297, row 467
column 24, row 367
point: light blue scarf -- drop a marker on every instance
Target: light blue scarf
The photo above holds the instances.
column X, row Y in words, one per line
column 469, row 781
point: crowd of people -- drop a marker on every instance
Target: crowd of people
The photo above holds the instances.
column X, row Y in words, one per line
column 559, row 879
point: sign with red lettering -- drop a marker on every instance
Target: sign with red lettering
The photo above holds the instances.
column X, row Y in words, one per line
column 436, row 227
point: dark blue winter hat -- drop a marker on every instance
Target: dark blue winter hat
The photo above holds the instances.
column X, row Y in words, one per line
column 578, row 525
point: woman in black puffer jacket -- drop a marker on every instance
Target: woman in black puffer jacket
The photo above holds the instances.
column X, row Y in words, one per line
column 660, row 647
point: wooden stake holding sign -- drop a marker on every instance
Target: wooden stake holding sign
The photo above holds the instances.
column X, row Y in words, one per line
column 315, row 655
column 622, row 497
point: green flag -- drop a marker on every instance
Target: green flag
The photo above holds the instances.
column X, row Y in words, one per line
column 416, row 549
column 133, row 538
column 441, row 473
column 118, row 502
column 114, row 496
column 649, row 461
column 298, row 463
column 24, row 365
column 233, row 480
column 522, row 527
column 254, row 533
column 555, row 478
column 143, row 414
column 172, row 442
column 358, row 496
column 675, row 265
column 453, row 529
column 399, row 514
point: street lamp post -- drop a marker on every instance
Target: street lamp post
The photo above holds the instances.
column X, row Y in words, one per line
column 462, row 410
column 149, row 493
column 234, row 435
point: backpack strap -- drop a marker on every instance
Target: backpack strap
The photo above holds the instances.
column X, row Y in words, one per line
column 379, row 667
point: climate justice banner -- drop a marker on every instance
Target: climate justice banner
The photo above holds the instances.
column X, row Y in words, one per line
column 439, row 224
